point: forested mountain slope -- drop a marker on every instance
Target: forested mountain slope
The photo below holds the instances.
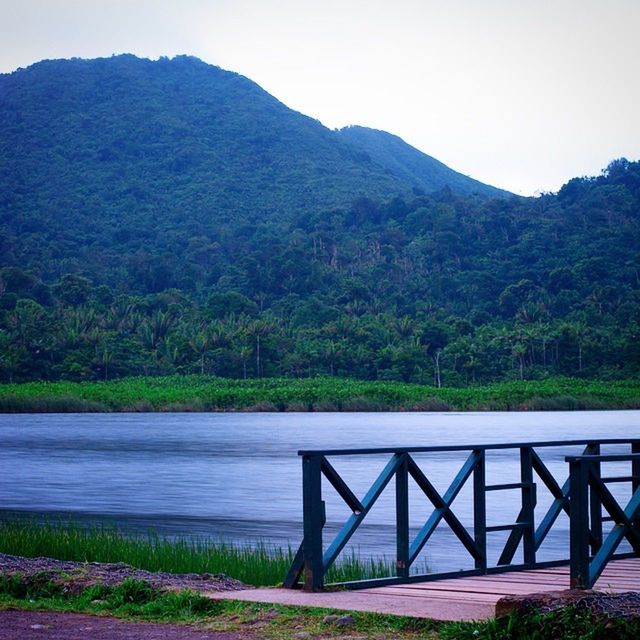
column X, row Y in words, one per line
column 438, row 288
column 421, row 171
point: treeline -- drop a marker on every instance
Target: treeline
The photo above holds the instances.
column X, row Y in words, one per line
column 162, row 334
column 443, row 289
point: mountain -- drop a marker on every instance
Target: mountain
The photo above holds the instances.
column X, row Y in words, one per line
column 116, row 139
column 421, row 171
column 171, row 217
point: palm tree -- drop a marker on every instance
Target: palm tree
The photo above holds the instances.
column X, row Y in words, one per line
column 245, row 353
column 106, row 358
column 199, row 342
column 154, row 329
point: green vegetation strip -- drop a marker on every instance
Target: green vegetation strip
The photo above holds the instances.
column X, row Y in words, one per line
column 258, row 565
column 136, row 599
column 208, row 393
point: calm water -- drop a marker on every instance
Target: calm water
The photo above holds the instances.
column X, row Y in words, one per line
column 238, row 476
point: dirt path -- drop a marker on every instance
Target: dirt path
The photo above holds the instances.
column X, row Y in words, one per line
column 32, row 625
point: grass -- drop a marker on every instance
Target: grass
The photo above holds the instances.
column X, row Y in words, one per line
column 207, row 393
column 136, row 599
column 259, row 564
column 132, row 598
column 569, row 623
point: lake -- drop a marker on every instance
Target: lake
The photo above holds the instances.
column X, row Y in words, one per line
column 237, row 476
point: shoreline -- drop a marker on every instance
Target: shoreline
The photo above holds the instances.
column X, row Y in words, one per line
column 127, row 410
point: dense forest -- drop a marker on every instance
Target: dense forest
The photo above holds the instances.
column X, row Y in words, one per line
column 439, row 289
column 120, row 256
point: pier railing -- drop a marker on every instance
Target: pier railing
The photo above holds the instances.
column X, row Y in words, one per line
column 582, row 494
column 588, row 495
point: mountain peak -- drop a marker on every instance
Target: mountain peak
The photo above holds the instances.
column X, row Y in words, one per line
column 112, row 137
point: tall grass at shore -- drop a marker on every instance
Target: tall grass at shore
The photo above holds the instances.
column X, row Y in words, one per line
column 209, row 393
column 260, row 564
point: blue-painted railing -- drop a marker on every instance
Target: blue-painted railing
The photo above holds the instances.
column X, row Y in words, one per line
column 588, row 495
column 585, row 488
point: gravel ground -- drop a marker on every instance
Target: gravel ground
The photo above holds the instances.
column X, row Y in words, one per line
column 79, row 575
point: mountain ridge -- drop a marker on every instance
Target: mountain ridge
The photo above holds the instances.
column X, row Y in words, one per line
column 244, row 151
column 423, row 171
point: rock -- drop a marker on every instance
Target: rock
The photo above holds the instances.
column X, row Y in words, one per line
column 301, row 635
column 344, row 621
column 270, row 614
column 339, row 621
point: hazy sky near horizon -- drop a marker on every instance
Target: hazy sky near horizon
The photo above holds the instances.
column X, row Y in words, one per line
column 521, row 94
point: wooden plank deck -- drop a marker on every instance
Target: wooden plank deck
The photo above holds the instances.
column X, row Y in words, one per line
column 453, row 599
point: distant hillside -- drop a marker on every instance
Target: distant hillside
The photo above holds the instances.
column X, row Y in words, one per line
column 412, row 166
column 117, row 141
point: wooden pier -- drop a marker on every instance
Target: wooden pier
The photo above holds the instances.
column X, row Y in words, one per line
column 598, row 523
column 468, row 598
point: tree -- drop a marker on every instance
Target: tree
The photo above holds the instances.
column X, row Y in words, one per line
column 72, row 289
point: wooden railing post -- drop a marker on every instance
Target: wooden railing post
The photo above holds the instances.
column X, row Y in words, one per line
column 313, row 521
column 480, row 510
column 578, row 524
column 635, row 466
column 595, row 504
column 528, row 493
column 402, row 518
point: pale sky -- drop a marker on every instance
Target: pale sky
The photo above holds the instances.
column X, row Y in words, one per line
column 521, row 94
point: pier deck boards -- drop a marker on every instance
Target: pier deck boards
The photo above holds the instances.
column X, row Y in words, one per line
column 471, row 598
